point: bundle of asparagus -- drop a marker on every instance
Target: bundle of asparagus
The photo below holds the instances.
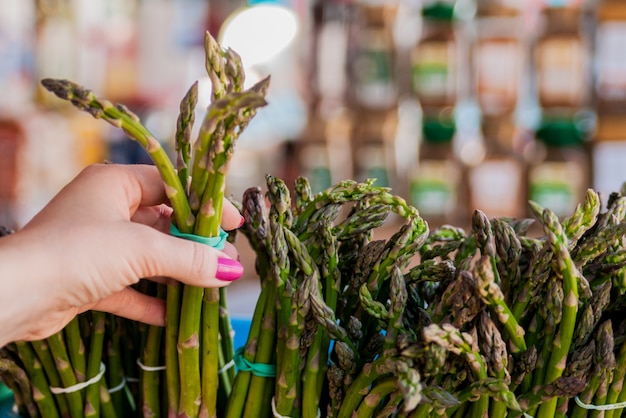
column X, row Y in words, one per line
column 197, row 320
column 493, row 322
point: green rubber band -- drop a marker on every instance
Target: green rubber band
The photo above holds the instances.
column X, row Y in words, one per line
column 257, row 369
column 216, row 242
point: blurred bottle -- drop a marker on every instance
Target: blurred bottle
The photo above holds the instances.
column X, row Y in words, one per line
column 372, row 60
column 313, row 155
column 610, row 60
column 435, row 185
column 372, row 147
column 498, row 56
column 497, row 183
column 561, row 56
column 435, row 58
column 559, row 175
column 329, row 52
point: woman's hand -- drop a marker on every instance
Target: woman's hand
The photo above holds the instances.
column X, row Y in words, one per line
column 100, row 234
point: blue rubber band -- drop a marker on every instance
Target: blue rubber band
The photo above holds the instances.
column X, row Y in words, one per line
column 216, row 242
column 257, row 369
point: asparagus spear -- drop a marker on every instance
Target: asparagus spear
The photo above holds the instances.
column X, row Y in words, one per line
column 568, row 272
column 16, row 379
column 184, row 125
column 64, row 367
column 40, row 389
column 121, row 117
column 92, row 396
column 492, row 295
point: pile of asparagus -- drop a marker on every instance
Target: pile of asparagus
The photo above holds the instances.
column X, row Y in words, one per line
column 497, row 321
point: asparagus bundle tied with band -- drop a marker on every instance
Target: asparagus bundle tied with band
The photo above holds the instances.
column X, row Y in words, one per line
column 196, row 344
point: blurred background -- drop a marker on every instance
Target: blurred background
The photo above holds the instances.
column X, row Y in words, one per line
column 456, row 105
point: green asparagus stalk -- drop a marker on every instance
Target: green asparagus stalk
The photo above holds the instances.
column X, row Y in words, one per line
column 120, row 117
column 16, row 379
column 256, row 229
column 115, row 370
column 563, row 387
column 288, row 317
column 184, row 125
column 372, row 401
column 76, row 349
column 617, row 383
column 107, row 409
column 64, row 368
column 92, row 396
column 361, row 384
column 492, row 295
column 569, row 274
column 40, row 390
column 52, row 375
column 151, row 379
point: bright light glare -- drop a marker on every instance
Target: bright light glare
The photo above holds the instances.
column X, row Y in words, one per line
column 259, row 33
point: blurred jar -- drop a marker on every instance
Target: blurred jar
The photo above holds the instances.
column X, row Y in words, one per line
column 435, row 184
column 373, row 60
column 561, row 58
column 497, row 183
column 498, row 57
column 559, row 178
column 434, row 60
column 610, row 60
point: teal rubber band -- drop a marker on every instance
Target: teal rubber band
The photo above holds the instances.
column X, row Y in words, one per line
column 216, row 242
column 257, row 369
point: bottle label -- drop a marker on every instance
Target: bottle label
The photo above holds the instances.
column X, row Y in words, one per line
column 496, row 188
column 373, row 70
column 561, row 71
column 433, row 75
column 497, row 71
column 557, row 186
column 433, row 189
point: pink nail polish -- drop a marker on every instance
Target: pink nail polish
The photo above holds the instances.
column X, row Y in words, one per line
column 228, row 269
column 241, row 222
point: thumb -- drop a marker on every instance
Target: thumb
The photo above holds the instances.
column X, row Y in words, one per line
column 187, row 261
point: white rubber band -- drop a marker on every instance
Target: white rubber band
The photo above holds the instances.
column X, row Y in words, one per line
column 118, row 387
column 608, row 407
column 277, row 415
column 132, row 379
column 149, row 368
column 227, row 366
column 82, row 385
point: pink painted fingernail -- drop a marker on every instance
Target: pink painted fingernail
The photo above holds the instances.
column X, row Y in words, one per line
column 241, row 222
column 228, row 269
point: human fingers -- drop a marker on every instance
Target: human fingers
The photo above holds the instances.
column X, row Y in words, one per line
column 158, row 217
column 231, row 218
column 104, row 191
column 134, row 305
column 159, row 254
